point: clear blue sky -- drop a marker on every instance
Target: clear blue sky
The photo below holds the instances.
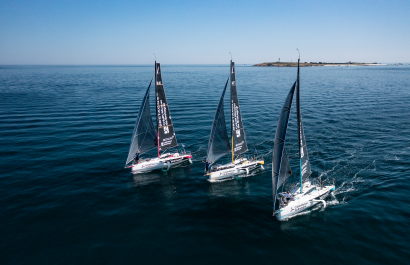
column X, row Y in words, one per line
column 202, row 32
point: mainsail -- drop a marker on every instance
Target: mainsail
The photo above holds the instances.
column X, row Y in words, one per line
column 280, row 158
column 165, row 130
column 218, row 145
column 303, row 153
column 239, row 145
column 144, row 135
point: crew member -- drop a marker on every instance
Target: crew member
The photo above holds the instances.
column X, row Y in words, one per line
column 288, row 197
column 207, row 164
column 137, row 157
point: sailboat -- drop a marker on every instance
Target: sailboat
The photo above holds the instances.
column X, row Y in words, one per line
column 219, row 145
column 308, row 193
column 146, row 138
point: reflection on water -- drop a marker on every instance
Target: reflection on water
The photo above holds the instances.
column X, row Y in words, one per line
column 160, row 176
column 234, row 189
column 143, row 179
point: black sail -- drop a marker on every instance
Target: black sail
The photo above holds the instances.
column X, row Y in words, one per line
column 280, row 158
column 303, row 152
column 165, row 129
column 285, row 170
column 144, row 135
column 218, row 145
column 238, row 133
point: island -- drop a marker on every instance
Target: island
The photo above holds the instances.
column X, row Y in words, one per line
column 306, row 64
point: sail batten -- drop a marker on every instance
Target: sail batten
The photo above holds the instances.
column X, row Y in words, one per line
column 280, row 158
column 218, row 145
column 239, row 144
column 165, row 129
column 144, row 134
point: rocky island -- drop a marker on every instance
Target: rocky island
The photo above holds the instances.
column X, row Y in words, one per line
column 306, row 64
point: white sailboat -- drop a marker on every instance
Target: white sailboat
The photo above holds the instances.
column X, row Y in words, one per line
column 219, row 145
column 145, row 137
column 309, row 193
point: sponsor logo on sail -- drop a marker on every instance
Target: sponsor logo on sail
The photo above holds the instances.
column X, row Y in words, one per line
column 238, row 146
column 167, row 141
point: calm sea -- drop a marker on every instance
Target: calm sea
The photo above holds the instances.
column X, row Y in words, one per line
column 66, row 199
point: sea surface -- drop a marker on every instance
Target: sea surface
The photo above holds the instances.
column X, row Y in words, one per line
column 65, row 197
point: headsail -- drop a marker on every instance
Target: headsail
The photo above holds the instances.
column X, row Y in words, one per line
column 165, row 129
column 144, row 135
column 218, row 145
column 303, row 152
column 280, row 158
column 239, row 145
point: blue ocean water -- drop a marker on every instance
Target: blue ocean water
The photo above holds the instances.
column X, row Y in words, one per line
column 66, row 199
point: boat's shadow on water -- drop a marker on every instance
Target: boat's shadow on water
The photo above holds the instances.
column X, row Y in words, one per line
column 233, row 188
column 144, row 179
column 160, row 176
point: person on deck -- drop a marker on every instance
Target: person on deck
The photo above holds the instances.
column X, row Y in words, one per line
column 288, row 197
column 207, row 164
column 137, row 157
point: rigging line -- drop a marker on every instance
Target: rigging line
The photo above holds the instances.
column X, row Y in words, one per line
column 254, row 146
column 177, row 137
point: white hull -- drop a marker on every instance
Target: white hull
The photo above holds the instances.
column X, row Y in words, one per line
column 165, row 161
column 228, row 171
column 312, row 195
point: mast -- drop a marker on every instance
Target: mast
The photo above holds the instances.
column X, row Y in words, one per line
column 232, row 110
column 299, row 126
column 304, row 163
column 298, row 117
column 156, row 103
column 231, row 71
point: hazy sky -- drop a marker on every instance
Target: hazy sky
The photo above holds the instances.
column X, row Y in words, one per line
column 202, row 32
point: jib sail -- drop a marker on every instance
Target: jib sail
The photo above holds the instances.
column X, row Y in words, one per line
column 280, row 158
column 218, row 145
column 144, row 134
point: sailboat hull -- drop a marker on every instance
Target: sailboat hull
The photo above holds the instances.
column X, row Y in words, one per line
column 165, row 161
column 301, row 202
column 228, row 171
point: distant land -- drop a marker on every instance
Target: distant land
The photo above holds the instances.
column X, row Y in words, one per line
column 306, row 64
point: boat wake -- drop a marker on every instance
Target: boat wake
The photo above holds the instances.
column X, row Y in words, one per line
column 352, row 185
